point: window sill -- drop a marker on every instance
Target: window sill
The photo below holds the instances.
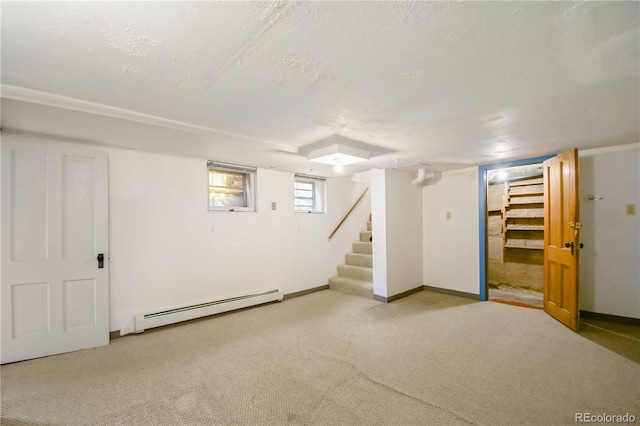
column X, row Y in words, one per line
column 231, row 210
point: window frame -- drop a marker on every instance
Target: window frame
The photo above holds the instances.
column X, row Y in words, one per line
column 248, row 190
column 319, row 196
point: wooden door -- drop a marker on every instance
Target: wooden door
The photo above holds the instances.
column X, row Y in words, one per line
column 562, row 238
column 55, row 298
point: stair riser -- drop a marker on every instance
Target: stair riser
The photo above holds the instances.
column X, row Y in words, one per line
column 362, row 247
column 359, row 259
column 355, row 272
column 365, row 236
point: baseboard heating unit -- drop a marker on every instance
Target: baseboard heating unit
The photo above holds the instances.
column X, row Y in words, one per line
column 185, row 313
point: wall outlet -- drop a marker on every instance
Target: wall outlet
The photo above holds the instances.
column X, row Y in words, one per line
column 630, row 209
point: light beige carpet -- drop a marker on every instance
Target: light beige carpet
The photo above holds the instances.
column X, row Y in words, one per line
column 333, row 359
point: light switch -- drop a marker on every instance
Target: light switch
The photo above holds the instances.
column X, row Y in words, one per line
column 273, row 205
column 630, row 209
column 448, row 215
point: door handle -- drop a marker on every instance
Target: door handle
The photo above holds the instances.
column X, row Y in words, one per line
column 569, row 245
column 100, row 260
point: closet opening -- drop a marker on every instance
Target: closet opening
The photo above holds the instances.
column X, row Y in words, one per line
column 511, row 223
column 515, row 235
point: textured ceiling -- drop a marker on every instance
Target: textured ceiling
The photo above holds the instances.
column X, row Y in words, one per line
column 443, row 83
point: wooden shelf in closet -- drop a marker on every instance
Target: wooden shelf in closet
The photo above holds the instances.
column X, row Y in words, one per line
column 523, row 215
column 523, row 247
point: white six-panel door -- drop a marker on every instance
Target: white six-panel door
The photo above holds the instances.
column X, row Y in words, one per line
column 54, row 297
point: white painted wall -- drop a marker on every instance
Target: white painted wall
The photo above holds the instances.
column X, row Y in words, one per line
column 404, row 233
column 610, row 259
column 167, row 250
column 379, row 230
column 451, row 248
column 397, row 230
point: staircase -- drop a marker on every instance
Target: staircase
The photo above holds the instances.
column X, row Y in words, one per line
column 356, row 276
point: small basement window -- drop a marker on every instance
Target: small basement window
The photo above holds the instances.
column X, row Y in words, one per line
column 309, row 193
column 231, row 187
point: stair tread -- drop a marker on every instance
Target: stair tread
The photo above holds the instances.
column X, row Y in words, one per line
column 346, row 265
column 351, row 279
column 359, row 255
column 350, row 285
column 362, row 242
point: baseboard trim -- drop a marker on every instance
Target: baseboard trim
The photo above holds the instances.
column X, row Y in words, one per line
column 397, row 296
column 116, row 334
column 452, row 292
column 304, row 292
column 610, row 318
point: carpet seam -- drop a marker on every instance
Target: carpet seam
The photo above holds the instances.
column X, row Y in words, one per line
column 414, row 398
